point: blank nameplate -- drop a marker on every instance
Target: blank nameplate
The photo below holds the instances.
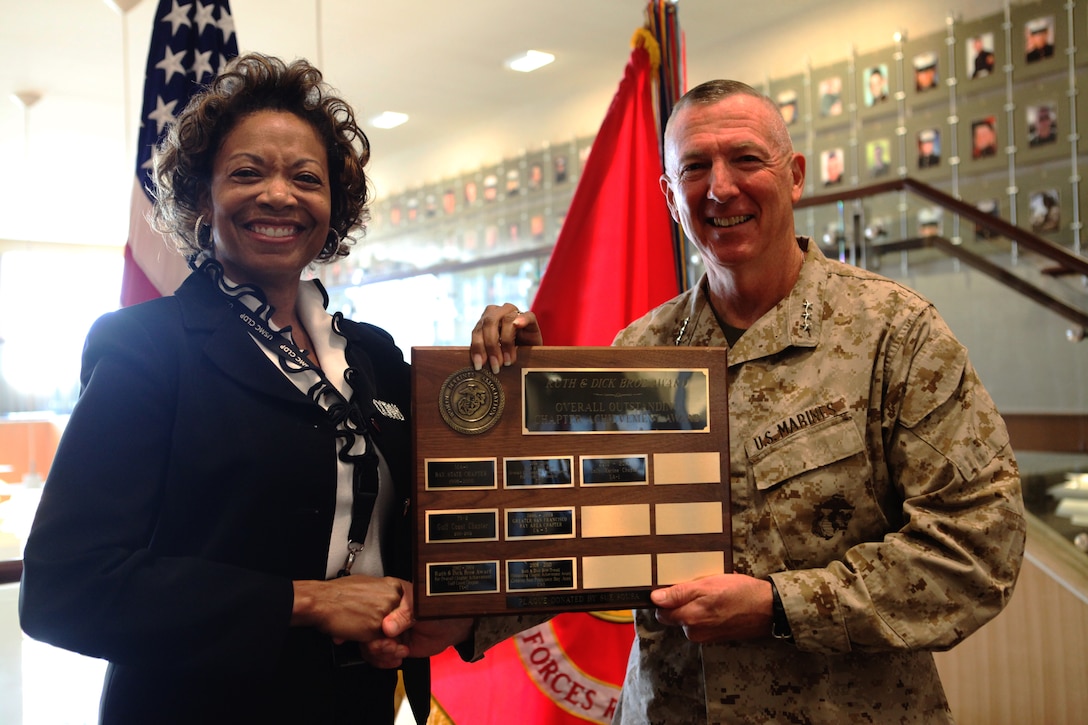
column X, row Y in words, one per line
column 615, row 520
column 685, row 566
column 704, row 467
column 689, row 518
column 611, row 572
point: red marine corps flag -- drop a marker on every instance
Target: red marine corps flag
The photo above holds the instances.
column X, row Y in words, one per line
column 614, row 257
column 613, row 262
column 190, row 42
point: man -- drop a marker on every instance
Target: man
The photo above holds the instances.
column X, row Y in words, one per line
column 925, row 71
column 1043, row 131
column 1038, row 43
column 876, row 505
column 878, row 86
column 984, row 58
column 929, row 155
column 983, row 138
column 878, row 157
column 787, row 106
column 833, row 167
column 929, row 222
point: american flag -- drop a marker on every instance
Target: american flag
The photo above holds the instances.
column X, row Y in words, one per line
column 190, row 42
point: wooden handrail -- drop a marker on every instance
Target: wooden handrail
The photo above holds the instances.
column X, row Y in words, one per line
column 1067, row 261
column 988, row 268
column 11, row 570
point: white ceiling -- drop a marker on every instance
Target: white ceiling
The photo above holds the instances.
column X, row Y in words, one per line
column 67, row 160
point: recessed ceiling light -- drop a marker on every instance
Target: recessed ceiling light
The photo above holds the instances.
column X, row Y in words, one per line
column 388, row 119
column 529, row 61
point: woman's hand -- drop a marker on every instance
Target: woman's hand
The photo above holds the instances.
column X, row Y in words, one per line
column 498, row 333
column 350, row 608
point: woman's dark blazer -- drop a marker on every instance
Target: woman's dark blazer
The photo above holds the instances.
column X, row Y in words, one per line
column 192, row 484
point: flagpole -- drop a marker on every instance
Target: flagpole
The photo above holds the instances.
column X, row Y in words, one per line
column 663, row 22
column 121, row 7
column 320, row 62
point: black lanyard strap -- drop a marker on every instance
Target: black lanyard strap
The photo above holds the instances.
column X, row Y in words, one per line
column 352, row 417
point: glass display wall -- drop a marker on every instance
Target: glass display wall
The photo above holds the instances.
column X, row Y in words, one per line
column 435, row 256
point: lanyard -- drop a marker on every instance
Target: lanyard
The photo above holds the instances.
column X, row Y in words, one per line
column 350, row 418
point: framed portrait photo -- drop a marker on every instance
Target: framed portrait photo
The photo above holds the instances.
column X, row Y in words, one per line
column 981, row 53
column 832, row 90
column 981, row 61
column 992, row 207
column 878, row 158
column 1045, row 210
column 1045, row 201
column 830, row 94
column 876, row 84
column 1040, row 38
column 1042, row 123
column 984, row 137
column 789, row 106
column 926, row 70
column 832, row 167
column 1042, row 119
column 875, row 88
column 790, row 94
column 928, row 142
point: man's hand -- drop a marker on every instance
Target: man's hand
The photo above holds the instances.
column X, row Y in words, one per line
column 497, row 334
column 724, row 607
column 406, row 637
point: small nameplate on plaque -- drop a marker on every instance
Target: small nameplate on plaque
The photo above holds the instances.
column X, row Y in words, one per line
column 539, row 574
column 550, row 523
column 463, row 577
column 614, row 470
column 463, row 525
column 461, row 473
column 539, row 472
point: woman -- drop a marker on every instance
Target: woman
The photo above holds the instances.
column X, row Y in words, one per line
column 236, row 451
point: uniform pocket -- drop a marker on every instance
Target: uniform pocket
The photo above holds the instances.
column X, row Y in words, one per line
column 817, row 484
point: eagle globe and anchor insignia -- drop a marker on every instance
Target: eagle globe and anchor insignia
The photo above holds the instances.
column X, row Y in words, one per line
column 471, row 401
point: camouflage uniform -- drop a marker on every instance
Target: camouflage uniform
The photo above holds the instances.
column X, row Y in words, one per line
column 872, row 479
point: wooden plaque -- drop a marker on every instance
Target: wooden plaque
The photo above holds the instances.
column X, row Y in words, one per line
column 577, row 479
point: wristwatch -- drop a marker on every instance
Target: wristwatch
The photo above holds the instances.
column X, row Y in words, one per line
column 780, row 625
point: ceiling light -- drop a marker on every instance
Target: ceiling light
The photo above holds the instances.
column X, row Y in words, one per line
column 529, row 61
column 122, row 6
column 25, row 99
column 388, row 119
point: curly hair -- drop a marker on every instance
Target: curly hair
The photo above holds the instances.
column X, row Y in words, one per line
column 184, row 158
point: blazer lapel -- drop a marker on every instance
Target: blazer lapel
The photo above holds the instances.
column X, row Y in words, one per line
column 229, row 345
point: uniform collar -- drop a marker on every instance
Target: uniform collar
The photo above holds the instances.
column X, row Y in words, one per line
column 795, row 321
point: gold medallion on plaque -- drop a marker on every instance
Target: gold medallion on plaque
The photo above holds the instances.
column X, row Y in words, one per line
column 471, row 401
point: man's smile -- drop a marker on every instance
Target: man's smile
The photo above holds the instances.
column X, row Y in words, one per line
column 730, row 221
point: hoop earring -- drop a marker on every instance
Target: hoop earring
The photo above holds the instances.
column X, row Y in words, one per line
column 332, row 243
column 197, row 229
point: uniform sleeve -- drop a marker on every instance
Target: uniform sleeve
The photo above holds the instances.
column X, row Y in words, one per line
column 92, row 581
column 951, row 564
column 490, row 631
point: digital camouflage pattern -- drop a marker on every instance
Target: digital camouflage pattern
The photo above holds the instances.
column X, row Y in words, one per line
column 871, row 478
